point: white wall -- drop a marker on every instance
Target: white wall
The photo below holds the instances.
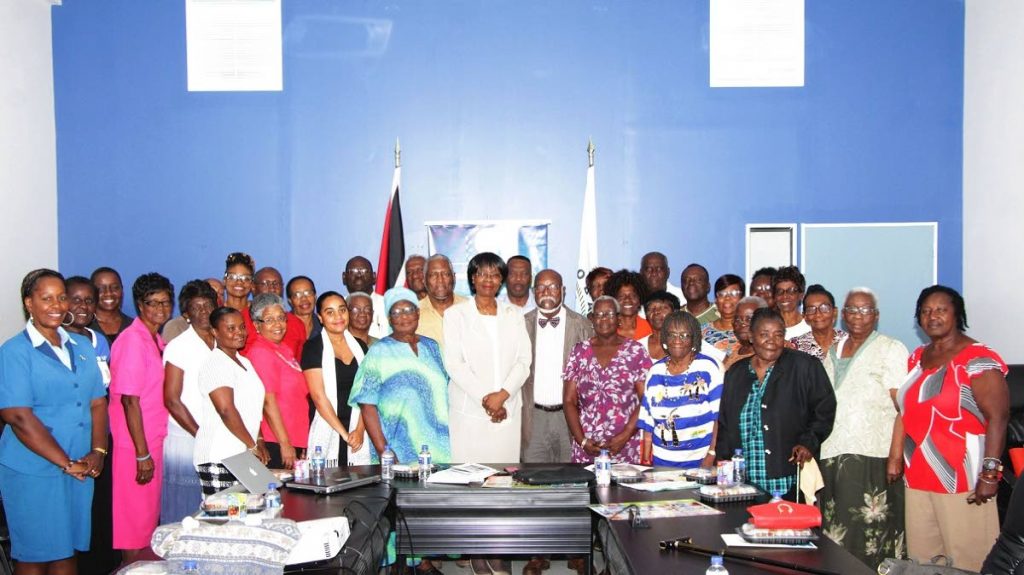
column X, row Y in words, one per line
column 994, row 174
column 28, row 155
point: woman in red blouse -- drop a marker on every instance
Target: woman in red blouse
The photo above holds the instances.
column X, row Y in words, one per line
column 954, row 409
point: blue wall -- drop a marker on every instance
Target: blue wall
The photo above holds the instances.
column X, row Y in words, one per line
column 494, row 102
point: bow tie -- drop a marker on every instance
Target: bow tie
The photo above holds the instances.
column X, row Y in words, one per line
column 553, row 321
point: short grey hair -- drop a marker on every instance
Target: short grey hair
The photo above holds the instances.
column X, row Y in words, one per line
column 866, row 291
column 360, row 294
column 443, row 258
column 618, row 307
column 758, row 301
column 262, row 302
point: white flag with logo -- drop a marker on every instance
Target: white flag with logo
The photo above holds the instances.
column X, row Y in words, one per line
column 588, row 245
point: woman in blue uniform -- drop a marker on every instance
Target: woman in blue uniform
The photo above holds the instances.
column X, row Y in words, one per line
column 52, row 398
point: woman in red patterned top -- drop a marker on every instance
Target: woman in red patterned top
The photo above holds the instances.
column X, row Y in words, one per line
column 954, row 409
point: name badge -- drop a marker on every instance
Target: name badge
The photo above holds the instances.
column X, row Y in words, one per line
column 104, row 371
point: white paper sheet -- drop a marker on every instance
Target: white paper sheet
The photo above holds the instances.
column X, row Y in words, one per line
column 462, row 474
column 233, row 45
column 757, row 43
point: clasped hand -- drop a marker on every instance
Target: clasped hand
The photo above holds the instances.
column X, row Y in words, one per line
column 494, row 405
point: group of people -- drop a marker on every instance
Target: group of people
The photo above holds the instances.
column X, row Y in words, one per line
column 653, row 373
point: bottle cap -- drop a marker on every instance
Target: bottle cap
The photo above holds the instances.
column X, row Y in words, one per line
column 739, row 452
column 604, row 452
column 424, row 448
column 271, row 486
column 717, row 559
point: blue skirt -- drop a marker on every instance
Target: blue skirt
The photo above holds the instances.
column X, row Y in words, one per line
column 49, row 517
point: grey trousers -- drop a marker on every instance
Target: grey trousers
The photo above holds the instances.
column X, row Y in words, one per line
column 549, row 439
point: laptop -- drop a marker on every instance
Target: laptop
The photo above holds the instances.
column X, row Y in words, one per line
column 335, row 479
column 250, row 472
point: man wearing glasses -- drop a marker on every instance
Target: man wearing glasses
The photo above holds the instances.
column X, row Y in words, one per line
column 359, row 277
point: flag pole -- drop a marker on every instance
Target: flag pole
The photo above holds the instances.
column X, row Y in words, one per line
column 398, row 153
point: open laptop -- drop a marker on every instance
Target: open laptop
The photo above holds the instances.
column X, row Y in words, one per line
column 250, row 472
column 335, row 479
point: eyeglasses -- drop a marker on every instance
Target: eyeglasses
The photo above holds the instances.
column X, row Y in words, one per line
column 270, row 283
column 542, row 288
column 358, row 272
column 822, row 308
column 157, row 303
column 199, row 306
column 275, row 319
column 605, row 314
column 360, row 309
column 303, row 293
column 729, row 293
column 400, row 311
column 859, row 310
column 678, row 335
column 786, row 291
column 764, row 288
column 244, row 278
column 744, row 320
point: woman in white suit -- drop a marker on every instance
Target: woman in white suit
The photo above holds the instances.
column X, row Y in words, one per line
column 487, row 352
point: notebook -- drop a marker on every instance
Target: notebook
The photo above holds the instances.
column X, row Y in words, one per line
column 335, row 479
column 250, row 472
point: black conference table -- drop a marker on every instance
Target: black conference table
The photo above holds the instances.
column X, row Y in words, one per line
column 632, row 551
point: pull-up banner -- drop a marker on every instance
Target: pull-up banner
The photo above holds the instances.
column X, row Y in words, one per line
column 461, row 240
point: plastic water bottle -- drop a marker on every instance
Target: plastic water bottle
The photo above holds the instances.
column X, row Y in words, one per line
column 739, row 467
column 387, row 464
column 318, row 462
column 717, row 567
column 272, row 499
column 603, row 469
column 424, row 461
column 190, row 568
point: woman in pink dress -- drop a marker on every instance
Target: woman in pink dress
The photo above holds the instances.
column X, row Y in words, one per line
column 604, row 381
column 138, row 418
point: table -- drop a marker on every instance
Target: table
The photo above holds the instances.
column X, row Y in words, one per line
column 438, row 519
column 635, row 551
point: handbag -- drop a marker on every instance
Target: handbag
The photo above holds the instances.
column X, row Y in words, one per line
column 784, row 515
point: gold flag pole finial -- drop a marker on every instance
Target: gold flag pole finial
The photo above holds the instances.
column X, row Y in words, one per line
column 398, row 154
column 590, row 151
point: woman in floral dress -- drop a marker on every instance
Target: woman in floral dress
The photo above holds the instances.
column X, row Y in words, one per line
column 604, row 381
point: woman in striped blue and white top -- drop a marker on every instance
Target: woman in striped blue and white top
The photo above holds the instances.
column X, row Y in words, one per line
column 679, row 411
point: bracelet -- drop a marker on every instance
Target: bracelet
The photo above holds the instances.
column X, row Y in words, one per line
column 996, row 459
column 254, row 449
column 145, row 457
column 712, row 452
column 67, row 467
column 583, row 444
column 101, row 451
column 989, row 481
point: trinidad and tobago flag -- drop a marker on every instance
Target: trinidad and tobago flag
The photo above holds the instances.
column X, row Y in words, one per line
column 392, row 244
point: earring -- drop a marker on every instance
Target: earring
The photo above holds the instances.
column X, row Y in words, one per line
column 693, row 349
column 664, row 346
column 70, row 320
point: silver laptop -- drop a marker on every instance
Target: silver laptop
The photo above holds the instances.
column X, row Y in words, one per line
column 250, row 472
column 335, row 479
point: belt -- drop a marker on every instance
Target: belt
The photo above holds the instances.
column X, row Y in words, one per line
column 548, row 408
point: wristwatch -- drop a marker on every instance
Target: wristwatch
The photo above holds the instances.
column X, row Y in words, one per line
column 991, row 464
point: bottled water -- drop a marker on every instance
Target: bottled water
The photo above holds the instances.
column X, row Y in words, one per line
column 387, row 464
column 318, row 463
column 189, row 568
column 272, row 499
column 424, row 461
column 603, row 469
column 717, row 567
column 739, row 467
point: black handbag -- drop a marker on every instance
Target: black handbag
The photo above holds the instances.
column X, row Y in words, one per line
column 554, row 475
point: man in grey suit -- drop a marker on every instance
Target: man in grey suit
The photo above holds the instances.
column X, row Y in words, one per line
column 553, row 330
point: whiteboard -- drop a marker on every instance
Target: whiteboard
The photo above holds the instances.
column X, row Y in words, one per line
column 895, row 260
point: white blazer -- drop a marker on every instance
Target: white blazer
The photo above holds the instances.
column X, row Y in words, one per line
column 470, row 359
